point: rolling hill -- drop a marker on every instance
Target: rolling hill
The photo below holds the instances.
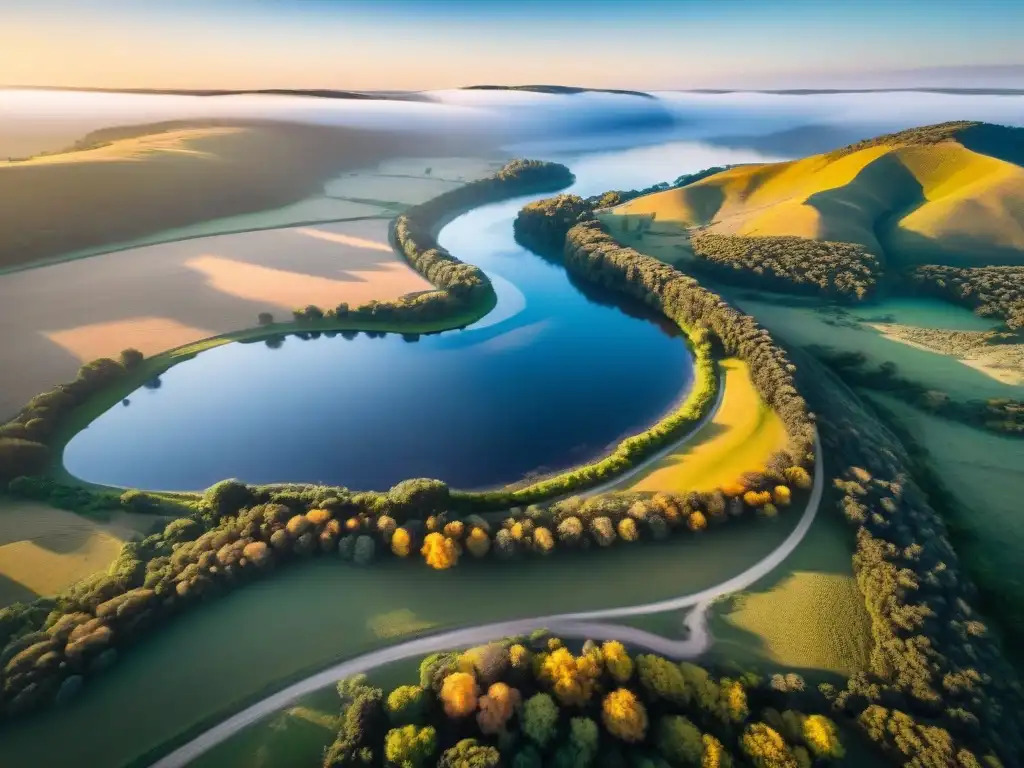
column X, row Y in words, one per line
column 946, row 194
column 121, row 183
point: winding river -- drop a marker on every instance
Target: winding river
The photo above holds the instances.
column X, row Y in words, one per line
column 525, row 390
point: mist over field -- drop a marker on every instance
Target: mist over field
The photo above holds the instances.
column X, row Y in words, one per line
column 33, row 121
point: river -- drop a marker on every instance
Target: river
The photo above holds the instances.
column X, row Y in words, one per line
column 515, row 394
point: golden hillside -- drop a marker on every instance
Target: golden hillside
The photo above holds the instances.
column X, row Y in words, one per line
column 952, row 193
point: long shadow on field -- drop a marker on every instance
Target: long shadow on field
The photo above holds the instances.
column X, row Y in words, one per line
column 12, row 591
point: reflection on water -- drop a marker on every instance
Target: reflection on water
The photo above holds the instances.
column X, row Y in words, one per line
column 554, row 376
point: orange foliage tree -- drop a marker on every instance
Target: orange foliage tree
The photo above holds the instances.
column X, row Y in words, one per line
column 497, row 708
column 439, row 551
column 401, row 542
column 572, row 678
column 459, row 694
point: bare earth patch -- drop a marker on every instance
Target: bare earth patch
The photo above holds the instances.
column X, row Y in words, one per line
column 157, row 297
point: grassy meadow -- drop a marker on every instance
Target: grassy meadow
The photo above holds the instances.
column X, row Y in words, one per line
column 741, row 437
column 207, row 662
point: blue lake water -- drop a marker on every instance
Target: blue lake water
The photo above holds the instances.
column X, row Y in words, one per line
column 554, row 376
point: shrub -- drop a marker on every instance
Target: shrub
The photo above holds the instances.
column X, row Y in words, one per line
column 265, row 318
column 624, row 715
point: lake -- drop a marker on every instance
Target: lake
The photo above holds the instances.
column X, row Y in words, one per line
column 553, row 377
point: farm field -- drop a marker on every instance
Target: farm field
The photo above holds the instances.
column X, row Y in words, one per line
column 327, row 610
column 43, row 549
column 163, row 296
column 741, row 437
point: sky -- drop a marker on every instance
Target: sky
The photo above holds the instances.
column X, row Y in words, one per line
column 423, row 44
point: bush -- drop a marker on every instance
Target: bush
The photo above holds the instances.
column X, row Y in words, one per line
column 265, row 318
column 21, row 457
column 131, row 359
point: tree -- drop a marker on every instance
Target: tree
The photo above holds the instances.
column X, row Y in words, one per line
column 497, row 707
column 540, row 716
column 662, row 679
column 696, row 521
column 131, row 359
column 407, row 705
column 478, row 542
column 715, row 755
column 572, row 678
column 782, row 496
column 409, row 746
column 624, row 715
column 617, row 661
column 468, row 753
column 401, row 542
column 628, row 530
column 227, row 497
column 418, row 499
column 264, row 318
column 766, row 748
column 459, row 694
column 603, row 531
column 439, row 551
column 365, row 550
column 543, row 541
column 822, row 736
column 679, row 741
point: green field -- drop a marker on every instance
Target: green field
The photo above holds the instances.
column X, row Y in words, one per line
column 203, row 665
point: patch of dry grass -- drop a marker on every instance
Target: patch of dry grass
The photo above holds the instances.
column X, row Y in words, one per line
column 43, row 549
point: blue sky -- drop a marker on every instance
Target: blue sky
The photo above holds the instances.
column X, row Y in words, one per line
column 414, row 44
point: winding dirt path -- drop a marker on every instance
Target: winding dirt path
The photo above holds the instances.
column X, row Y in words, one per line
column 577, row 625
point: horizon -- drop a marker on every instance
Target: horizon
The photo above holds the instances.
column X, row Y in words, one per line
column 394, row 45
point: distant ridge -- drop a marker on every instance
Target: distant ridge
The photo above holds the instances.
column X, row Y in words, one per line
column 317, row 93
column 825, row 91
column 568, row 90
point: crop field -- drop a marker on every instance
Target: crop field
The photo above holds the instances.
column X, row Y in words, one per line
column 43, row 549
column 741, row 437
column 808, row 615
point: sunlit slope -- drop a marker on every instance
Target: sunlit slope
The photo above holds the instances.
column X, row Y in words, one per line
column 911, row 202
column 123, row 183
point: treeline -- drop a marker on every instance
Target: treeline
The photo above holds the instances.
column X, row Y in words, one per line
column 940, row 691
column 541, row 225
column 236, row 533
column 461, row 286
column 533, row 702
column 619, row 196
column 788, row 264
column 989, row 291
column 1000, row 415
column 25, row 441
column 921, row 136
column 593, row 254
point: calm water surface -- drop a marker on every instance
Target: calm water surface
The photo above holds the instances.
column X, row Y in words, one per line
column 554, row 376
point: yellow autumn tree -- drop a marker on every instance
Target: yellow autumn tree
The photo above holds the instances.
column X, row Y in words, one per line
column 798, row 476
column 617, row 661
column 454, row 529
column 439, row 551
column 757, row 498
column 572, row 678
column 478, row 542
column 497, row 708
column 401, row 542
column 519, row 656
column 696, row 521
column 782, row 495
column 628, row 530
column 459, row 694
column 735, row 696
column 715, row 755
column 318, row 516
column 543, row 541
column 822, row 737
column 624, row 715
